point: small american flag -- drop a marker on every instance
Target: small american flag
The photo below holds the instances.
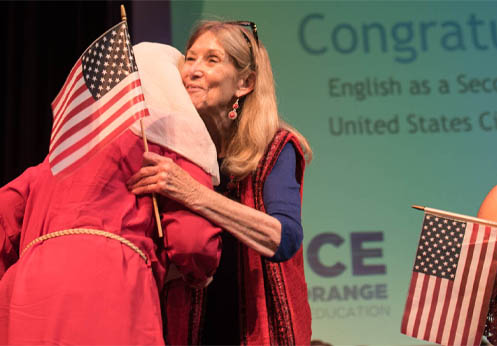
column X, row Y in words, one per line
column 101, row 98
column 451, row 283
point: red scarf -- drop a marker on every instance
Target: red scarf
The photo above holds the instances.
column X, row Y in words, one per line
column 274, row 308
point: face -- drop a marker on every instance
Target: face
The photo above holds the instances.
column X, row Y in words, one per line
column 210, row 77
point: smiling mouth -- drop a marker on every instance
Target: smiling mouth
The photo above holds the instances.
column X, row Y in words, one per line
column 193, row 88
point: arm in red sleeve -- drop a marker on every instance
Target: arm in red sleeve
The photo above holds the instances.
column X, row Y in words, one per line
column 192, row 243
column 13, row 198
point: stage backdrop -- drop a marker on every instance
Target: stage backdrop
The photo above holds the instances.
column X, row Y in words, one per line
column 399, row 102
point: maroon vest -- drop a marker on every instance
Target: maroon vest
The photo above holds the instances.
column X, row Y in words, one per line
column 274, row 308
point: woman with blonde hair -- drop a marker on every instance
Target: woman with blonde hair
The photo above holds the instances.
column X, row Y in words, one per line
column 259, row 293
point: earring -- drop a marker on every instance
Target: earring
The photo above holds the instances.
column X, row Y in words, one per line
column 233, row 113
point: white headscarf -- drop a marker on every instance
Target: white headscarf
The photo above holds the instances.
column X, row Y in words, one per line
column 174, row 123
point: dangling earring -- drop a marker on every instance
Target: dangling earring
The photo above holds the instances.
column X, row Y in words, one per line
column 233, row 113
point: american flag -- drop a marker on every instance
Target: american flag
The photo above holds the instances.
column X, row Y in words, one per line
column 101, row 98
column 451, row 283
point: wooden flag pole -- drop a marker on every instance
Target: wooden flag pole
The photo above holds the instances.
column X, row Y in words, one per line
column 145, row 144
column 455, row 216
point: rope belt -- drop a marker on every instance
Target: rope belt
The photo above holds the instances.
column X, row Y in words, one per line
column 91, row 232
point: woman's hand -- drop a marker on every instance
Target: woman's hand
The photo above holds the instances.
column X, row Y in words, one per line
column 254, row 228
column 161, row 175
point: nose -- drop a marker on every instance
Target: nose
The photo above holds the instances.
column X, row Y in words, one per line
column 195, row 69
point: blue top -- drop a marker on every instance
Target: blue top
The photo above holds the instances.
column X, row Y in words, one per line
column 281, row 197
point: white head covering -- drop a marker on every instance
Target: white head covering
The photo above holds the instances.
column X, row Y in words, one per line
column 173, row 122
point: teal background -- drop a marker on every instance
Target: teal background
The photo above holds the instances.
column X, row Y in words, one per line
column 367, row 183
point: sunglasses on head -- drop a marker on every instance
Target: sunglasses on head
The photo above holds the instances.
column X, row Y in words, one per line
column 253, row 27
column 249, row 24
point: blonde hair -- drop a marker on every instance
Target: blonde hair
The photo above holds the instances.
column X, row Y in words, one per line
column 258, row 119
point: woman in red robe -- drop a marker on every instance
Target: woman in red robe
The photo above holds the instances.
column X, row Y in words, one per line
column 80, row 259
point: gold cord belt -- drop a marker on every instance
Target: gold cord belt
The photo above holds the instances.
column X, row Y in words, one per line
column 87, row 231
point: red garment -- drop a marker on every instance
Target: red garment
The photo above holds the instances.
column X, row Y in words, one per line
column 87, row 289
column 274, row 308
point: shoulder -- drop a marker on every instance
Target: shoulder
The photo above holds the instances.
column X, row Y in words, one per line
column 488, row 209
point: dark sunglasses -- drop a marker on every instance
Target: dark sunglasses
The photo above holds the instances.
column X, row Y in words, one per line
column 254, row 33
column 248, row 24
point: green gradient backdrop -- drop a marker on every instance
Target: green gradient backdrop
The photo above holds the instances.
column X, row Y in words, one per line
column 367, row 183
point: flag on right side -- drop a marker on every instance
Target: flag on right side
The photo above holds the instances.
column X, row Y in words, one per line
column 452, row 281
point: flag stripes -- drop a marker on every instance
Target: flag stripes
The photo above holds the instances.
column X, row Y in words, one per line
column 453, row 311
column 101, row 97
